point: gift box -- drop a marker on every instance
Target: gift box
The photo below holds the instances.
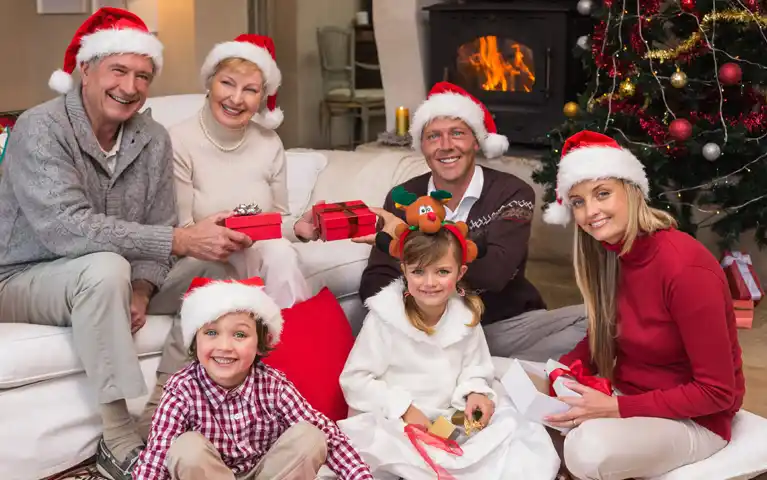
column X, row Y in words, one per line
column 744, row 313
column 741, row 277
column 559, row 374
column 443, row 428
column 527, row 384
column 341, row 220
column 260, row 226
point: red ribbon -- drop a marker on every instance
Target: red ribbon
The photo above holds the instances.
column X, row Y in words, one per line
column 580, row 374
column 418, row 433
column 348, row 210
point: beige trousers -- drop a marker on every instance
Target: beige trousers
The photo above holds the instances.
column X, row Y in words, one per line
column 92, row 295
column 297, row 455
column 276, row 262
column 637, row 447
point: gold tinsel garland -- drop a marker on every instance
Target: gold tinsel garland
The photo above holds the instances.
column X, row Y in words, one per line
column 741, row 16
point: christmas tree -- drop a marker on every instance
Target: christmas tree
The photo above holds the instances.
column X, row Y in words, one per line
column 681, row 84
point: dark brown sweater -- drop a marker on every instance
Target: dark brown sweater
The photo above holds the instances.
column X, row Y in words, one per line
column 500, row 219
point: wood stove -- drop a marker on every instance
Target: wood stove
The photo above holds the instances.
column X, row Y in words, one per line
column 513, row 55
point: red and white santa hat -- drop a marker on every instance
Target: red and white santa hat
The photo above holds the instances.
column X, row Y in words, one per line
column 258, row 49
column 109, row 31
column 448, row 100
column 590, row 155
column 208, row 300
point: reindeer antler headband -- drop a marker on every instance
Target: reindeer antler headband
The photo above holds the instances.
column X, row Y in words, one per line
column 427, row 214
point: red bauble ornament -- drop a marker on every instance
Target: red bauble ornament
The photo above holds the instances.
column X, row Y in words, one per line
column 730, row 74
column 680, row 129
column 688, row 5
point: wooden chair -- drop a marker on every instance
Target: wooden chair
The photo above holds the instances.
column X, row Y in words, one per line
column 341, row 98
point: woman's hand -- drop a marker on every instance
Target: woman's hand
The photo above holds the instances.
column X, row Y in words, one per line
column 414, row 416
column 479, row 401
column 304, row 228
column 591, row 404
column 390, row 222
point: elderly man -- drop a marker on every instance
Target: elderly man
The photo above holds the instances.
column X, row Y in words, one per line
column 449, row 128
column 87, row 217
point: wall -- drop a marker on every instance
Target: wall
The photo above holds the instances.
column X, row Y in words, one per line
column 187, row 28
column 294, row 25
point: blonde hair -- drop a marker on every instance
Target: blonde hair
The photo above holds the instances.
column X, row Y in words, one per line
column 236, row 63
column 423, row 250
column 597, row 271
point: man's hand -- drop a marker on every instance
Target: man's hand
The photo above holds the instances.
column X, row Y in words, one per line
column 390, row 222
column 413, row 416
column 304, row 228
column 209, row 240
column 479, row 401
column 140, row 295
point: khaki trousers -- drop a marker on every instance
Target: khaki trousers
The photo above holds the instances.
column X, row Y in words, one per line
column 92, row 295
column 297, row 455
column 537, row 335
column 637, row 447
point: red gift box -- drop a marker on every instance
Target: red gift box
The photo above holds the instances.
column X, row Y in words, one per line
column 744, row 313
column 263, row 226
column 341, row 220
column 741, row 277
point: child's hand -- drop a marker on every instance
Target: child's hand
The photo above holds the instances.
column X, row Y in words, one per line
column 414, row 416
column 479, row 401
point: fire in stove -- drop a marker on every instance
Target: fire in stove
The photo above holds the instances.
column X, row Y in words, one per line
column 506, row 67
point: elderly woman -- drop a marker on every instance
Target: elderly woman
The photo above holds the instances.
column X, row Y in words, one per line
column 661, row 325
column 228, row 154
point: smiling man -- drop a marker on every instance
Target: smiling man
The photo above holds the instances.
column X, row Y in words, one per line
column 88, row 217
column 450, row 128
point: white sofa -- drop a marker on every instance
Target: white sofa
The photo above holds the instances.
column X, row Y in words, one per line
column 48, row 413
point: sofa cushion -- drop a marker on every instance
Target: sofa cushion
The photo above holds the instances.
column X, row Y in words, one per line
column 337, row 265
column 315, row 342
column 22, row 363
column 303, row 166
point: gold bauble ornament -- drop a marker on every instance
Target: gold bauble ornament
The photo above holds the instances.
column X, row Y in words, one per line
column 679, row 79
column 627, row 88
column 570, row 109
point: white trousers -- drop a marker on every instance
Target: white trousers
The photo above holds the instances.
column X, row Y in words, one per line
column 276, row 262
column 636, row 447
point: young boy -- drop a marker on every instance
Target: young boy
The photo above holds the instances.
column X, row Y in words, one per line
column 229, row 416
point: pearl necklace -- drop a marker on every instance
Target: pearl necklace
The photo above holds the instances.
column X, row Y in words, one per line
column 215, row 143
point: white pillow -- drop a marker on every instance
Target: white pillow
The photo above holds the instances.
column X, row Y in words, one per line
column 173, row 109
column 303, row 169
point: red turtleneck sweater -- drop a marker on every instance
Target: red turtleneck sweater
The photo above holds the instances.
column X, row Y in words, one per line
column 677, row 346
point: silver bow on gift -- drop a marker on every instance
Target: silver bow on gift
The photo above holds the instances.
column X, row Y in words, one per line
column 247, row 209
column 743, row 261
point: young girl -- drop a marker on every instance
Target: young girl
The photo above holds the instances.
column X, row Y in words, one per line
column 661, row 324
column 421, row 354
column 227, row 415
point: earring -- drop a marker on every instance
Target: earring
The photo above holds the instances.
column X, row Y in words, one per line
column 461, row 291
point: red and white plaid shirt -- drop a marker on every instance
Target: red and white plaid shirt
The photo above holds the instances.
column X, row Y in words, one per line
column 242, row 424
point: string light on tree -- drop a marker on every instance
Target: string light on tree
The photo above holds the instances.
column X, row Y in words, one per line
column 627, row 88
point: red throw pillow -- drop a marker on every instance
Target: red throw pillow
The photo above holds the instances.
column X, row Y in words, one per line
column 315, row 342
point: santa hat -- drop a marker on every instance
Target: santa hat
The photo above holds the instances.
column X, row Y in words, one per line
column 590, row 156
column 208, row 300
column 258, row 49
column 109, row 31
column 448, row 100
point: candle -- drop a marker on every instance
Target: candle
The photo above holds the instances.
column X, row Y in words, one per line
column 403, row 121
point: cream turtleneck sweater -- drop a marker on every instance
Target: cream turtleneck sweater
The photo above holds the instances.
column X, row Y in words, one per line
column 209, row 180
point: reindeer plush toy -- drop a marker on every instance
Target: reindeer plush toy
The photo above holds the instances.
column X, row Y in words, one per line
column 427, row 214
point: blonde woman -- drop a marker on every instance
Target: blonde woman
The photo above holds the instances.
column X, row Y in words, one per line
column 229, row 154
column 661, row 325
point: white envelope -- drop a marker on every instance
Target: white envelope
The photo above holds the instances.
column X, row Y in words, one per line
column 529, row 400
column 559, row 384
